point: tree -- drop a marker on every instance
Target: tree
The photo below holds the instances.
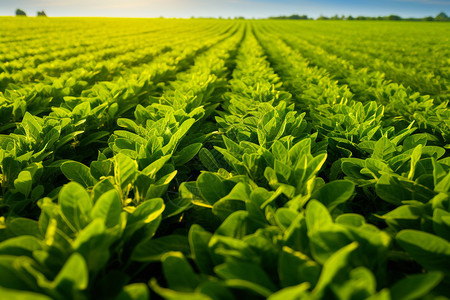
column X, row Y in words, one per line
column 41, row 13
column 442, row 17
column 393, row 18
column 20, row 12
column 323, row 18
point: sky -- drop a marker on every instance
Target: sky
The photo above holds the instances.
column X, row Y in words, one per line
column 225, row 8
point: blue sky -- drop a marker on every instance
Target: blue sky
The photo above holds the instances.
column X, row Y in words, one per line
column 225, row 8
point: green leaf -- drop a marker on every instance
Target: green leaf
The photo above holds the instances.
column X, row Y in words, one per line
column 441, row 223
column 155, row 249
column 101, row 168
column 317, row 216
column 413, row 141
column 217, row 290
column 125, row 170
column 295, row 267
column 74, row 274
column 315, row 164
column 415, row 156
column 334, row 193
column 354, row 220
column 93, row 243
column 292, row 292
column 186, row 154
column 430, row 251
column 75, row 205
column 21, row 295
column 175, row 295
column 359, row 284
column 78, row 172
column 415, row 286
column 23, row 183
column 147, row 211
column 444, row 185
column 31, row 126
column 23, row 226
column 211, row 187
column 108, row 208
column 178, row 272
column 198, row 241
column 234, row 225
column 208, row 160
column 155, row 166
column 383, row 148
column 20, row 246
column 147, row 215
column 334, row 266
column 246, row 272
column 134, row 291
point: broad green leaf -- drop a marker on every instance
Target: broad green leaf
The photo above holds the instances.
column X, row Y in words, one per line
column 78, row 172
column 23, row 183
column 74, row 274
column 294, row 267
column 333, row 267
column 441, row 223
column 108, row 208
column 175, row 295
column 414, row 140
column 415, row 286
column 383, row 148
column 315, row 165
column 334, row 193
column 21, row 295
column 186, row 154
column 154, row 249
column 215, row 289
column 234, row 225
column 285, row 216
column 198, row 241
column 147, row 211
column 20, row 246
column 24, row 226
column 134, row 291
column 178, row 272
column 246, row 272
column 93, row 243
column 100, row 168
column 415, row 156
column 351, row 220
column 208, row 160
column 155, row 166
column 31, row 126
column 361, row 284
column 125, row 170
column 317, row 216
column 429, row 250
column 292, row 292
column 211, row 187
column 75, row 205
column 241, row 284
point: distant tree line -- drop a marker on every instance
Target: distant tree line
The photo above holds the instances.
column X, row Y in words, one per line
column 440, row 17
column 22, row 13
column 291, row 17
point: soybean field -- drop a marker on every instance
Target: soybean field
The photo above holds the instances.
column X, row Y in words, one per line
column 224, row 159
